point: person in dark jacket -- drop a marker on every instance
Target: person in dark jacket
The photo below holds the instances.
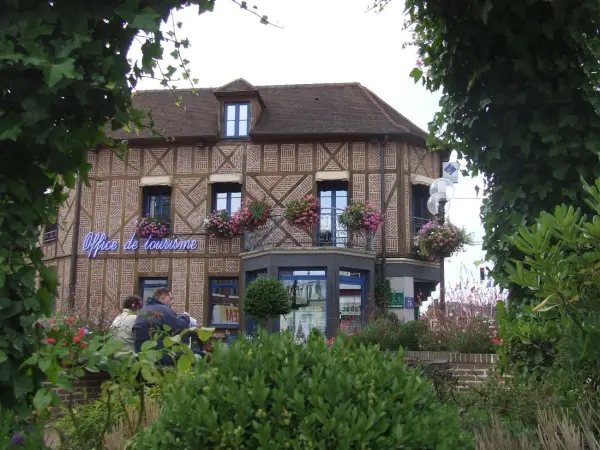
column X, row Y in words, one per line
column 153, row 317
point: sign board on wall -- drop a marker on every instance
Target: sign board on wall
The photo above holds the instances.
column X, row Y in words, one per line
column 397, row 300
column 95, row 243
column 409, row 302
column 450, row 170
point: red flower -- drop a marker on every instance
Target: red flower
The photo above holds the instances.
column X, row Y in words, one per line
column 83, row 345
column 71, row 320
column 76, row 338
column 51, row 341
column 51, row 321
column 81, row 332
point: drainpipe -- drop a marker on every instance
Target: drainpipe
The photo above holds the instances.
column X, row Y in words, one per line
column 382, row 145
column 75, row 244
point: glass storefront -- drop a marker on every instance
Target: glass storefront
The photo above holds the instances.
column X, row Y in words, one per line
column 351, row 294
column 308, row 291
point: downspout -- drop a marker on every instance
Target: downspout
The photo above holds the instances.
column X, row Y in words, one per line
column 75, row 244
column 382, row 195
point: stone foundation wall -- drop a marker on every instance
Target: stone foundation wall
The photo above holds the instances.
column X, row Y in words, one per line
column 469, row 368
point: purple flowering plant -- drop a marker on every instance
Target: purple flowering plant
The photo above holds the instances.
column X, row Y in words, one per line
column 155, row 227
column 221, row 224
column 435, row 240
column 359, row 217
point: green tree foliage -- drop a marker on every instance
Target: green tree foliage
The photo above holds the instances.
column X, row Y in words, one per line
column 560, row 336
column 266, row 298
column 519, row 101
column 273, row 394
column 64, row 73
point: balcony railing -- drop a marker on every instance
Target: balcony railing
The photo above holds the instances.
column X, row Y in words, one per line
column 418, row 223
column 330, row 233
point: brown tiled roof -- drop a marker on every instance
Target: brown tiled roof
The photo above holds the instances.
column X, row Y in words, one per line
column 311, row 109
column 236, row 86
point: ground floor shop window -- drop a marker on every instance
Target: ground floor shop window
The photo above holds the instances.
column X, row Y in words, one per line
column 224, row 302
column 352, row 301
column 149, row 285
column 308, row 291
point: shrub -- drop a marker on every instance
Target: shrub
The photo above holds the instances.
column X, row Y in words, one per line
column 266, row 298
column 391, row 334
column 441, row 376
column 271, row 393
column 93, row 420
column 560, row 337
column 514, row 402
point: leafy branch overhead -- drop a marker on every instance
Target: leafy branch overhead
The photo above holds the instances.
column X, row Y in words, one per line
column 65, row 82
column 519, row 101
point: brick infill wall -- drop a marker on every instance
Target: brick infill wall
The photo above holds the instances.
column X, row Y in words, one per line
column 468, row 368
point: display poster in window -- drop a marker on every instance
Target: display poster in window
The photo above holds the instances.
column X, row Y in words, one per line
column 226, row 315
column 397, row 300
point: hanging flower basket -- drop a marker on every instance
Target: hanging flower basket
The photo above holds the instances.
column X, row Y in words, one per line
column 359, row 217
column 221, row 224
column 303, row 213
column 154, row 227
column 254, row 214
column 435, row 240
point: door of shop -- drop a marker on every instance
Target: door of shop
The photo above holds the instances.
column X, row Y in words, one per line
column 352, row 303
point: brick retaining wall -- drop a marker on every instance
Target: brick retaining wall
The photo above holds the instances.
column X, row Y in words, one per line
column 469, row 368
column 85, row 389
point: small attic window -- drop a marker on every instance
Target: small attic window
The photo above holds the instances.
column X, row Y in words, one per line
column 237, row 121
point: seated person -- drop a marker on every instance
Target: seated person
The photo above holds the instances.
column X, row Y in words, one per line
column 154, row 316
column 122, row 326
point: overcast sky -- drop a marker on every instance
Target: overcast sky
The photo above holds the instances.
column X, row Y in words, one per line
column 322, row 41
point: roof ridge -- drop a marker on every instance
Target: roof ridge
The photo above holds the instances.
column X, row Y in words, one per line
column 209, row 88
column 349, row 83
column 369, row 94
column 394, row 109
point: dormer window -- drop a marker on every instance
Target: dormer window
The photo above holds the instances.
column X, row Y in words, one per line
column 237, row 119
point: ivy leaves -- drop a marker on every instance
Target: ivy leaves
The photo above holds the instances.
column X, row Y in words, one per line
column 519, row 102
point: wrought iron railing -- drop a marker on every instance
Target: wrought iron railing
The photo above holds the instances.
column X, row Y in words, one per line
column 418, row 223
column 329, row 233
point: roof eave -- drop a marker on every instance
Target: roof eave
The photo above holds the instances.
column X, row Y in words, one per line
column 269, row 136
column 151, row 140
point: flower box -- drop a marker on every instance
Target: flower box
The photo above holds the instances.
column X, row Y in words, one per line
column 153, row 227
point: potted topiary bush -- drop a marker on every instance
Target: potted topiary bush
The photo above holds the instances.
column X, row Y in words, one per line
column 266, row 298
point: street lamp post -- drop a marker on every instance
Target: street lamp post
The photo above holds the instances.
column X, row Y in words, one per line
column 441, row 192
